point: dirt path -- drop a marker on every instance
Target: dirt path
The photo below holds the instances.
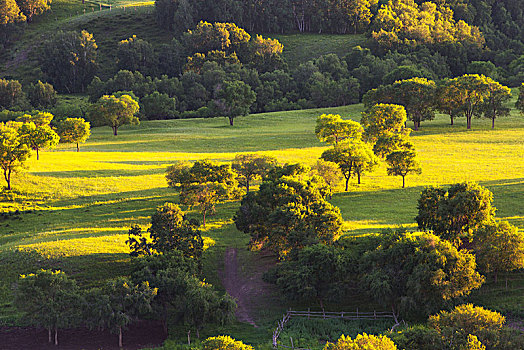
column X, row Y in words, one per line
column 249, row 291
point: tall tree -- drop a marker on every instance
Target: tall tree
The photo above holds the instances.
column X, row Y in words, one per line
column 69, row 60
column 467, row 93
column 39, row 137
column 235, row 99
column 250, row 167
column 116, row 305
column 49, row 299
column 352, row 158
column 499, row 248
column 74, row 130
column 417, row 274
column 494, row 104
column 13, row 150
column 11, row 95
column 135, row 54
column 520, row 101
column 42, row 95
column 456, row 213
column 289, row 211
column 333, row 129
column 383, row 120
column 115, row 111
column 403, row 162
column 38, row 118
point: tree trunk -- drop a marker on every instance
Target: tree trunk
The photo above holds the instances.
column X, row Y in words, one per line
column 37, row 155
column 115, row 130
column 49, row 337
column 451, row 119
column 231, row 121
column 493, row 123
column 247, row 186
column 120, row 337
column 469, row 122
column 358, row 177
column 7, row 175
column 403, row 181
column 347, row 182
column 77, row 147
column 56, row 336
column 164, row 321
column 198, row 333
column 415, row 125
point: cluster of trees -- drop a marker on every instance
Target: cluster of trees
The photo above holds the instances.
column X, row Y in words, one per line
column 358, row 149
column 15, row 97
column 411, row 273
column 468, row 96
column 165, row 280
column 13, row 11
column 33, row 131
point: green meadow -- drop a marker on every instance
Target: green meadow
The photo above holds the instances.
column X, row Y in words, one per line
column 71, row 211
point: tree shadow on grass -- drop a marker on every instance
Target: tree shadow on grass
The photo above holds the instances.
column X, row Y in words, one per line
column 100, row 173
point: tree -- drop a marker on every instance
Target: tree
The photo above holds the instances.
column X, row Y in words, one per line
column 329, row 171
column 224, row 342
column 499, row 248
column 158, row 106
column 49, row 299
column 38, row 137
column 117, row 304
column 42, row 95
column 352, row 158
column 467, row 94
column 235, row 99
column 11, row 95
column 417, row 273
column 333, row 129
column 289, row 211
column 316, row 272
column 250, row 167
column 38, row 118
column 74, row 130
column 456, row 213
column 464, row 320
column 33, row 7
column 10, row 13
column 69, row 60
column 135, row 54
column 520, row 101
column 494, row 105
column 13, row 150
column 401, row 163
column 362, row 342
column 115, row 111
column 383, row 120
column 203, row 184
column 171, row 273
column 170, row 230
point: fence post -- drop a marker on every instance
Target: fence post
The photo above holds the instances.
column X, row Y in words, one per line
column 375, row 314
column 357, row 312
column 308, row 312
column 342, row 315
column 292, row 346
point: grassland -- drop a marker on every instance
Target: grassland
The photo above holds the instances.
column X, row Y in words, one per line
column 72, row 210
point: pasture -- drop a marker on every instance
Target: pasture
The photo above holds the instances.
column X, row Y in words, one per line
column 71, row 211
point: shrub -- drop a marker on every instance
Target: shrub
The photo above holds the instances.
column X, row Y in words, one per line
column 224, row 342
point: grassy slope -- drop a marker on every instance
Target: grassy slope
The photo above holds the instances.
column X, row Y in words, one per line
column 80, row 205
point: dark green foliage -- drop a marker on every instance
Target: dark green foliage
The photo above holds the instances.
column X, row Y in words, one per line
column 49, row 299
column 11, row 95
column 135, row 54
column 117, row 304
column 417, row 274
column 42, row 95
column 69, row 60
column 234, row 99
column 317, row 272
column 520, row 101
column 114, row 111
column 417, row 337
column 289, row 212
column 456, row 213
column 250, row 167
column 158, row 106
column 170, row 230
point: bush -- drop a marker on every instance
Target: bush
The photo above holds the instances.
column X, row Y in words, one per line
column 362, row 342
column 418, row 338
column 224, row 342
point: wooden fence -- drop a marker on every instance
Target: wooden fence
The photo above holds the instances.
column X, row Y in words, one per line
column 356, row 315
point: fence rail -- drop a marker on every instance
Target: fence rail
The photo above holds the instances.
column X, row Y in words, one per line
column 351, row 315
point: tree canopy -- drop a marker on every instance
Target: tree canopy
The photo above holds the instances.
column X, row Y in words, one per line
column 333, row 129
column 115, row 111
column 250, row 167
column 13, row 150
column 74, row 130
